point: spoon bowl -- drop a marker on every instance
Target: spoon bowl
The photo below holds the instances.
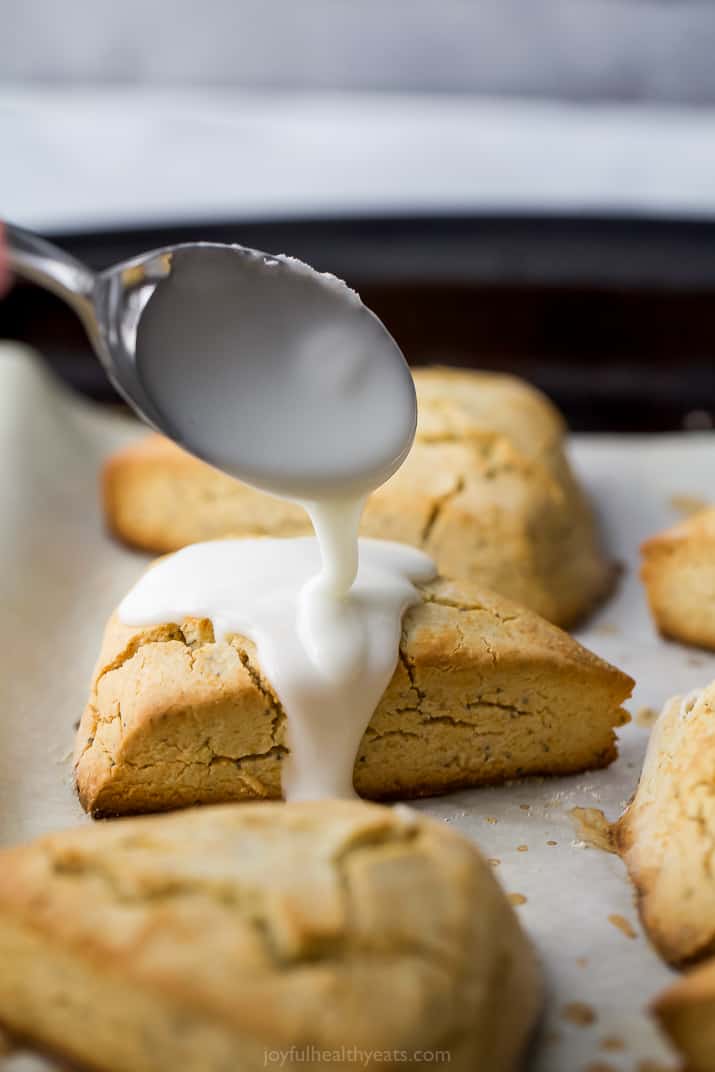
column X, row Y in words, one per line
column 258, row 364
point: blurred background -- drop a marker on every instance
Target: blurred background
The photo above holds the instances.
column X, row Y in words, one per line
column 526, row 185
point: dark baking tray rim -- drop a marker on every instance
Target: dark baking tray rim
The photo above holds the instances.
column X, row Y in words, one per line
column 540, row 249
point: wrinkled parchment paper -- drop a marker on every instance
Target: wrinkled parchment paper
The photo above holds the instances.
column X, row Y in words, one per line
column 61, row 575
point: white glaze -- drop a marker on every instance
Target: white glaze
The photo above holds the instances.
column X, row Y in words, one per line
column 280, row 376
column 329, row 659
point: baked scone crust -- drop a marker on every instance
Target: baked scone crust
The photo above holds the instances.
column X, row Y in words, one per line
column 678, row 570
column 483, row 691
column 487, row 491
column 203, row 940
column 686, row 1012
column 667, row 834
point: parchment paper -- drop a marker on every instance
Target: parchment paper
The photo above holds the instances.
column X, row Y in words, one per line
column 61, row 575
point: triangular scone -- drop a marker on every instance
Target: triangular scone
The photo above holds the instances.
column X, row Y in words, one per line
column 483, row 691
column 210, row 940
column 667, row 834
column 686, row 1012
column 678, row 571
column 487, row 491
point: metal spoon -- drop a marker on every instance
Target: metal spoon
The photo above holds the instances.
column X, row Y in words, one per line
column 109, row 304
column 201, row 338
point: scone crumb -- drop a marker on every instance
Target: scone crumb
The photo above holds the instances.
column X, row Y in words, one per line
column 593, row 828
column 516, row 898
column 623, row 925
column 491, row 819
column 612, row 1043
column 494, row 861
column 577, row 1012
column 582, row 962
column 522, row 848
column 606, row 629
column 646, row 717
column 687, row 505
column 552, row 842
column 525, row 807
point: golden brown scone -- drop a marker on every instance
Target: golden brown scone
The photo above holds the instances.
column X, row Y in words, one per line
column 686, row 1012
column 210, row 940
column 679, row 575
column 667, row 834
column 486, row 490
column 483, row 691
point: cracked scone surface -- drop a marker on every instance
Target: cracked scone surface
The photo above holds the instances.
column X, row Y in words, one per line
column 686, row 1012
column 199, row 941
column 667, row 834
column 486, row 490
column 678, row 570
column 483, row 691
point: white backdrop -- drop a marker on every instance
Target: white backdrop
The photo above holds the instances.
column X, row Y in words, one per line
column 111, row 156
column 615, row 49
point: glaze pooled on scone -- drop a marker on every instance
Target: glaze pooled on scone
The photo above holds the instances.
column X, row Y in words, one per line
column 329, row 660
column 323, row 423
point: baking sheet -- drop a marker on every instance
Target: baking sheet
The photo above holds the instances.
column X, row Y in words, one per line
column 61, row 575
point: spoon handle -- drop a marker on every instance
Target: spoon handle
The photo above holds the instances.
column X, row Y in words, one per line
column 40, row 262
